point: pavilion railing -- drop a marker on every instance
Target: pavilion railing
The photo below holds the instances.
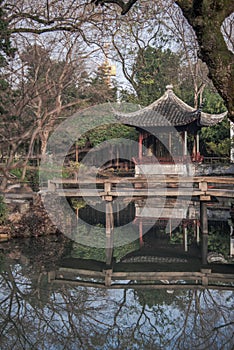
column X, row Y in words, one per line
column 216, row 160
column 181, row 160
column 162, row 160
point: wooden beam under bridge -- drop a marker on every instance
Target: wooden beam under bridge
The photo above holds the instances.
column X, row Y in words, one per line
column 108, row 278
column 202, row 187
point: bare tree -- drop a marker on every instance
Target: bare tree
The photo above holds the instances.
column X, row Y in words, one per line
column 46, row 82
column 206, row 18
column 161, row 25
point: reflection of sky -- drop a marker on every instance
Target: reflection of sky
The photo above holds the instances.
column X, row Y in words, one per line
column 38, row 315
column 168, row 320
column 112, row 319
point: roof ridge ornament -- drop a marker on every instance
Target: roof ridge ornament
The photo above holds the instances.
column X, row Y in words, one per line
column 199, row 110
column 169, row 87
column 201, row 106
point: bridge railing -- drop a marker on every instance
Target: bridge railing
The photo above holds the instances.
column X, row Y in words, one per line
column 216, row 160
column 203, row 185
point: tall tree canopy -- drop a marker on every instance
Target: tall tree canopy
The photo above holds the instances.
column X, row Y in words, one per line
column 206, row 18
column 59, row 48
column 155, row 69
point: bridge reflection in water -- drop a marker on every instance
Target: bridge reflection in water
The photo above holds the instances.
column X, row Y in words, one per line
column 168, row 248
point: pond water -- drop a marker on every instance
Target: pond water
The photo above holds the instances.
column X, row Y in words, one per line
column 146, row 291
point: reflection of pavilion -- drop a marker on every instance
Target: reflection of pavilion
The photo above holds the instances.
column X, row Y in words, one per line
column 140, row 265
column 164, row 128
column 168, row 215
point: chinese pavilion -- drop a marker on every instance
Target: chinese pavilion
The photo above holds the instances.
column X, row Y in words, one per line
column 168, row 134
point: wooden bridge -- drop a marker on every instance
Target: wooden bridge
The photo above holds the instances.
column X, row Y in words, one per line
column 204, row 188
column 129, row 276
column 107, row 278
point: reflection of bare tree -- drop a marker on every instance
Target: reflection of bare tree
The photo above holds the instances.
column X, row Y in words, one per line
column 35, row 315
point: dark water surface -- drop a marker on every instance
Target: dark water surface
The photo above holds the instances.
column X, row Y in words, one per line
column 55, row 293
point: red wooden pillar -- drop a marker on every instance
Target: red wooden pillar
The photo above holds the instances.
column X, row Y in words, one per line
column 194, row 153
column 140, row 145
column 184, row 144
column 185, row 236
column 195, row 146
column 141, row 233
column 197, row 143
column 169, row 143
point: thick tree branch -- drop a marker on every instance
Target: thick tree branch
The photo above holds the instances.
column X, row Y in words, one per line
column 206, row 18
column 125, row 6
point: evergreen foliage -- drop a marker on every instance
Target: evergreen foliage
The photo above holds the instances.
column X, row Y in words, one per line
column 215, row 140
column 5, row 43
column 157, row 68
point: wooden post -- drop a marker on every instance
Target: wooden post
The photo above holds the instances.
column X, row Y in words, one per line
column 205, row 276
column 203, row 186
column 108, row 274
column 107, row 187
column 185, row 238
column 77, row 153
column 204, row 248
column 109, row 233
column 203, row 218
column 51, row 276
column 109, row 253
column 197, row 231
column 117, row 157
column 51, row 186
column 204, row 229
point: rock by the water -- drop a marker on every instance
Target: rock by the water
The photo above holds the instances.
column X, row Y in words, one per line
column 214, row 257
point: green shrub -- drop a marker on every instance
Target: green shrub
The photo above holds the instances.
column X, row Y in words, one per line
column 17, row 172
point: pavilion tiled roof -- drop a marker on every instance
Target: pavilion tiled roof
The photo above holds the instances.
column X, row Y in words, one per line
column 168, row 110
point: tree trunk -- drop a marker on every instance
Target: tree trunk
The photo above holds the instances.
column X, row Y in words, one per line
column 206, row 17
column 44, row 138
